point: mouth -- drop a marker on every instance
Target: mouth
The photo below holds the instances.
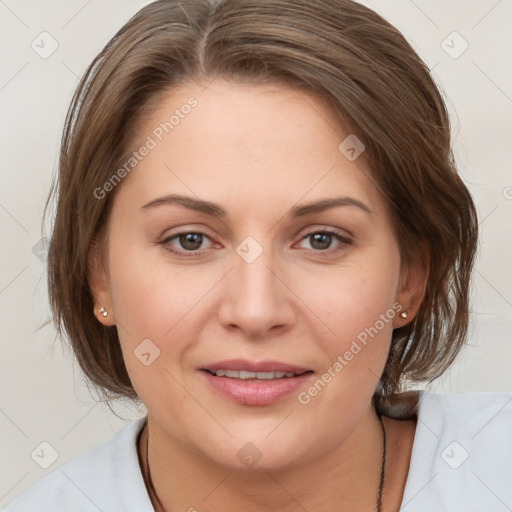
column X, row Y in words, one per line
column 245, row 375
column 251, row 383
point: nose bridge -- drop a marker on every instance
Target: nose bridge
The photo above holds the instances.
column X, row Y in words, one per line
column 256, row 299
column 253, row 272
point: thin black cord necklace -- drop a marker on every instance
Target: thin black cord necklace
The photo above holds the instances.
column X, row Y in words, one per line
column 378, row 504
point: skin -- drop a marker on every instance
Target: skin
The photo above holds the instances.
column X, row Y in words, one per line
column 257, row 151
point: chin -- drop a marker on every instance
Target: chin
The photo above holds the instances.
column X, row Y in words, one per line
column 240, row 454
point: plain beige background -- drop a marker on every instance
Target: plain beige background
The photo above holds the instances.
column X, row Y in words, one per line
column 43, row 397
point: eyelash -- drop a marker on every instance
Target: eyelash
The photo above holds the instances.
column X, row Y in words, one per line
column 344, row 242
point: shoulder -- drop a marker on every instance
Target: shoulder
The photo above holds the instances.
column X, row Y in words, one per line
column 107, row 477
column 462, row 453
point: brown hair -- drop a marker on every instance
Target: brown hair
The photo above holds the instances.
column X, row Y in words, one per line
column 374, row 82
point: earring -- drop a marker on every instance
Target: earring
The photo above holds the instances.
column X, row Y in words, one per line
column 403, row 314
column 103, row 311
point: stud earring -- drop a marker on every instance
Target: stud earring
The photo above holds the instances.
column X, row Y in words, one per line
column 403, row 314
column 103, row 311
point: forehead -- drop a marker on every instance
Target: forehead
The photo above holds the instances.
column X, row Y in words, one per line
column 243, row 115
column 251, row 141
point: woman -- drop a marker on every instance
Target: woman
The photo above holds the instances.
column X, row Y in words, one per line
column 261, row 235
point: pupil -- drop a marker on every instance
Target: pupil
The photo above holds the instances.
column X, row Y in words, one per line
column 191, row 241
column 323, row 238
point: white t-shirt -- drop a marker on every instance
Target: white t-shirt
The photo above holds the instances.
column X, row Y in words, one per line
column 461, row 461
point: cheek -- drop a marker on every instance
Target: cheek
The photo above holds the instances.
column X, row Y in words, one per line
column 149, row 294
column 355, row 305
column 160, row 301
column 152, row 309
column 351, row 297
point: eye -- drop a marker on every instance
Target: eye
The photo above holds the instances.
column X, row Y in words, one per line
column 322, row 240
column 190, row 242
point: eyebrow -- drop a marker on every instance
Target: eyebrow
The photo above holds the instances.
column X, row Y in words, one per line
column 215, row 210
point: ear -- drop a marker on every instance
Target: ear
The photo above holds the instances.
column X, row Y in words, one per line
column 99, row 285
column 413, row 284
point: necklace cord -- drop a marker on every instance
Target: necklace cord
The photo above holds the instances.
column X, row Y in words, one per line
column 378, row 505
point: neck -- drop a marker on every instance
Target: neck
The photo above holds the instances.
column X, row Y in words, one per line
column 348, row 475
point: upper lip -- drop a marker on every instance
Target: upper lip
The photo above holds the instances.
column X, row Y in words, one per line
column 255, row 366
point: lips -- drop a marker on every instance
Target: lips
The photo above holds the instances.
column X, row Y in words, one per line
column 253, row 366
column 255, row 383
column 244, row 375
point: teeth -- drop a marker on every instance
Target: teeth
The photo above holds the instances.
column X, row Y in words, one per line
column 233, row 374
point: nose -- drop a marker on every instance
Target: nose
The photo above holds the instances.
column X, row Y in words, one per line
column 257, row 299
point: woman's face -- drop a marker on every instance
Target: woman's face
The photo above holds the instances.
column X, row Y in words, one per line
column 264, row 281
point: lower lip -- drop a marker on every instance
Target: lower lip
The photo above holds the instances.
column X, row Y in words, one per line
column 256, row 392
